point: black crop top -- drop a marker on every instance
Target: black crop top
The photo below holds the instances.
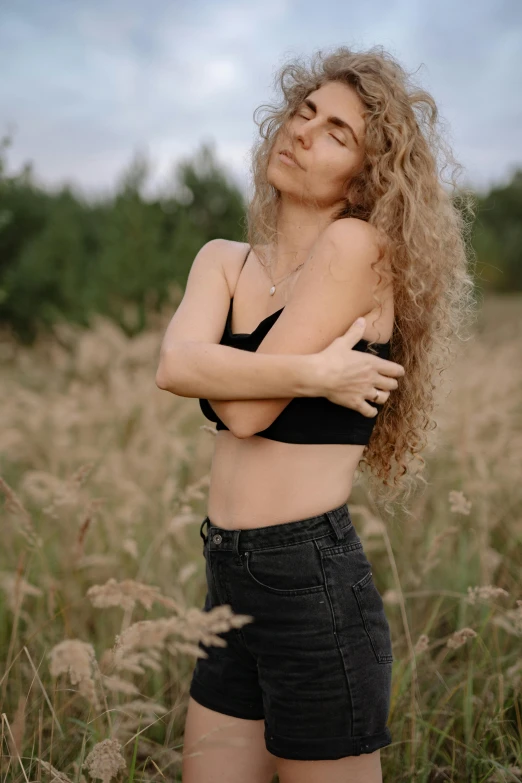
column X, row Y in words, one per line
column 304, row 419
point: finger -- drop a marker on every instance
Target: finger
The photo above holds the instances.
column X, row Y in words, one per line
column 379, row 396
column 382, row 382
column 355, row 332
column 387, row 367
column 367, row 410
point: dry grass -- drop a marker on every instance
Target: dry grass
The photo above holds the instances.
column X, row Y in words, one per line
column 105, row 478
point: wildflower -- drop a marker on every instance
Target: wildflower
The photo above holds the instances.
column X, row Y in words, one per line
column 127, row 594
column 117, row 685
column 16, row 588
column 14, row 505
column 484, row 593
column 458, row 638
column 105, row 760
column 458, row 503
column 75, row 658
column 67, row 493
column 186, row 572
column 491, row 558
column 141, row 707
column 16, row 734
column 140, row 645
column 511, row 621
column 431, row 558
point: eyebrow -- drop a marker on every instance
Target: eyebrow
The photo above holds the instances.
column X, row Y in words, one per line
column 333, row 120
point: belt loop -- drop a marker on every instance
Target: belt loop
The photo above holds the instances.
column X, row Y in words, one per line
column 203, row 536
column 235, row 542
column 336, row 525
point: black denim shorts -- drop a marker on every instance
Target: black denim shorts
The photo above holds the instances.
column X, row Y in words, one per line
column 316, row 662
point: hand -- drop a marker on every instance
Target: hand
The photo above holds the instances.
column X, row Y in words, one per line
column 350, row 378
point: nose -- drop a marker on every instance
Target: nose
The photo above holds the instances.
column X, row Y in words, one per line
column 299, row 136
column 301, row 140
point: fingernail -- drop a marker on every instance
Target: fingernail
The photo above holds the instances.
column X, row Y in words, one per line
column 360, row 321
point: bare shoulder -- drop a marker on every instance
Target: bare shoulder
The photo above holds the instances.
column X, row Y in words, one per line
column 230, row 255
column 360, row 235
column 357, row 241
column 202, row 312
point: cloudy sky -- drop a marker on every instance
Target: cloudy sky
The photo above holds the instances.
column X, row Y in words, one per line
column 85, row 84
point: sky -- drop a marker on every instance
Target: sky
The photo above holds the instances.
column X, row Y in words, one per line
column 88, row 84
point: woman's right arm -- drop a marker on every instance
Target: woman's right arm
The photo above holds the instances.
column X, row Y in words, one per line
column 192, row 363
column 219, row 372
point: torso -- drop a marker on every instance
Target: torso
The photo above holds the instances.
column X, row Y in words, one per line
column 256, row 482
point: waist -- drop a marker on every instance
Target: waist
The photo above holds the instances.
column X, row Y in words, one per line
column 256, row 482
column 336, row 521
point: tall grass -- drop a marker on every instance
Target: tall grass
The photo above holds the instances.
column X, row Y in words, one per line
column 105, row 480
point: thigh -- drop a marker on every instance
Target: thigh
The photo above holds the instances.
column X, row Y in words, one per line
column 223, row 748
column 355, row 769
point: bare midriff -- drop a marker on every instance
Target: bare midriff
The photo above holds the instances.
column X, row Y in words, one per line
column 256, row 482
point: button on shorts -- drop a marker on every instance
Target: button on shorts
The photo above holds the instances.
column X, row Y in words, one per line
column 316, row 661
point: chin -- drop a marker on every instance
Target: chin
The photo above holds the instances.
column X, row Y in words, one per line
column 271, row 176
column 275, row 175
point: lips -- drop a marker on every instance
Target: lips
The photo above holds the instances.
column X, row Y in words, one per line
column 291, row 155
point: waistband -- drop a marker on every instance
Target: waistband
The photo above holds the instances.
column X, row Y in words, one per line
column 337, row 520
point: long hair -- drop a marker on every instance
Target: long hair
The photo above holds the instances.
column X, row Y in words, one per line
column 426, row 232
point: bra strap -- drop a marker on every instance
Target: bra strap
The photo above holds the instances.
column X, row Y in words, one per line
column 231, row 298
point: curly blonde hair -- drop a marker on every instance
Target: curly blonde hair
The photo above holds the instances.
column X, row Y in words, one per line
column 426, row 230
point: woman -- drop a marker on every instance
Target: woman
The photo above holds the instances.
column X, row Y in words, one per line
column 348, row 219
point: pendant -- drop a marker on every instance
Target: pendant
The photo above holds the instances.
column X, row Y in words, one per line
column 272, row 290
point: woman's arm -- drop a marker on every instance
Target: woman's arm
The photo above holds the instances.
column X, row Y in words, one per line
column 192, row 363
column 219, row 372
column 336, row 286
column 345, row 376
column 246, row 388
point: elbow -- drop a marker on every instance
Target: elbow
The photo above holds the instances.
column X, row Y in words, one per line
column 234, row 423
column 254, row 416
column 247, row 425
column 165, row 378
column 239, row 431
column 161, row 381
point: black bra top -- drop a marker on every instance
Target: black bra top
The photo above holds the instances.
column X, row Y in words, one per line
column 304, row 419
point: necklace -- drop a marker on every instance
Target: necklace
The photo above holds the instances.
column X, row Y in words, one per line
column 273, row 288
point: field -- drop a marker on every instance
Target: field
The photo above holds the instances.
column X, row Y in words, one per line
column 104, row 479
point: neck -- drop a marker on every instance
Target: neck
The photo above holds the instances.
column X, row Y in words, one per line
column 298, row 227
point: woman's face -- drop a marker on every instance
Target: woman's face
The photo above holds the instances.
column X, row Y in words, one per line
column 328, row 152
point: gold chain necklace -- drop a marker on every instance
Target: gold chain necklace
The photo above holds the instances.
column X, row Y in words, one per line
column 273, row 288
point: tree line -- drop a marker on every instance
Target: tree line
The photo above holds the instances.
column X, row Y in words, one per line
column 65, row 257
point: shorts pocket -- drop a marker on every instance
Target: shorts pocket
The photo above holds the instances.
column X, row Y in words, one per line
column 374, row 618
column 294, row 569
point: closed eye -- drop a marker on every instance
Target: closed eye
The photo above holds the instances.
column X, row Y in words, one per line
column 331, row 134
